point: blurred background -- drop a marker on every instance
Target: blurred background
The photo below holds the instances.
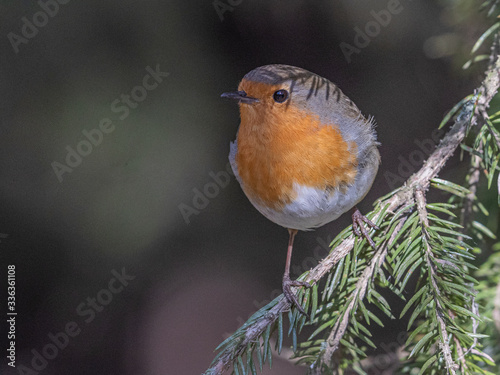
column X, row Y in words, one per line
column 194, row 259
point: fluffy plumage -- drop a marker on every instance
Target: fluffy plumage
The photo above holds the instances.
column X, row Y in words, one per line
column 304, row 162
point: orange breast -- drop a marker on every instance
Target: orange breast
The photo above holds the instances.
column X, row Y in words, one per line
column 279, row 145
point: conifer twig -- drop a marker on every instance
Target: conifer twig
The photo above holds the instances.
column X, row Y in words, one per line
column 444, row 344
column 336, row 334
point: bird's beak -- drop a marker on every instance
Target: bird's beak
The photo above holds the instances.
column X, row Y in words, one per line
column 240, row 96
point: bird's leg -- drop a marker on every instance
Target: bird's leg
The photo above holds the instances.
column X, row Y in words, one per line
column 359, row 229
column 287, row 283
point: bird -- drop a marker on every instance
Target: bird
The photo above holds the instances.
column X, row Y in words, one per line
column 304, row 153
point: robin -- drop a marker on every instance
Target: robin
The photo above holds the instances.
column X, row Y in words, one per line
column 304, row 153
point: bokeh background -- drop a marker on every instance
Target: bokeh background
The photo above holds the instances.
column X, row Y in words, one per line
column 120, row 208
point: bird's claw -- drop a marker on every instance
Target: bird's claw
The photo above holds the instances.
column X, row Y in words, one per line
column 359, row 229
column 290, row 296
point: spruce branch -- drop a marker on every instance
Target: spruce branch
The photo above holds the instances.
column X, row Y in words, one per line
column 444, row 345
column 340, row 327
column 470, row 114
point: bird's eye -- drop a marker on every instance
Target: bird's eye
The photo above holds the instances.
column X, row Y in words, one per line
column 280, row 96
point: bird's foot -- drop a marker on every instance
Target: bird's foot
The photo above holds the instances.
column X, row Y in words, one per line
column 290, row 296
column 359, row 229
